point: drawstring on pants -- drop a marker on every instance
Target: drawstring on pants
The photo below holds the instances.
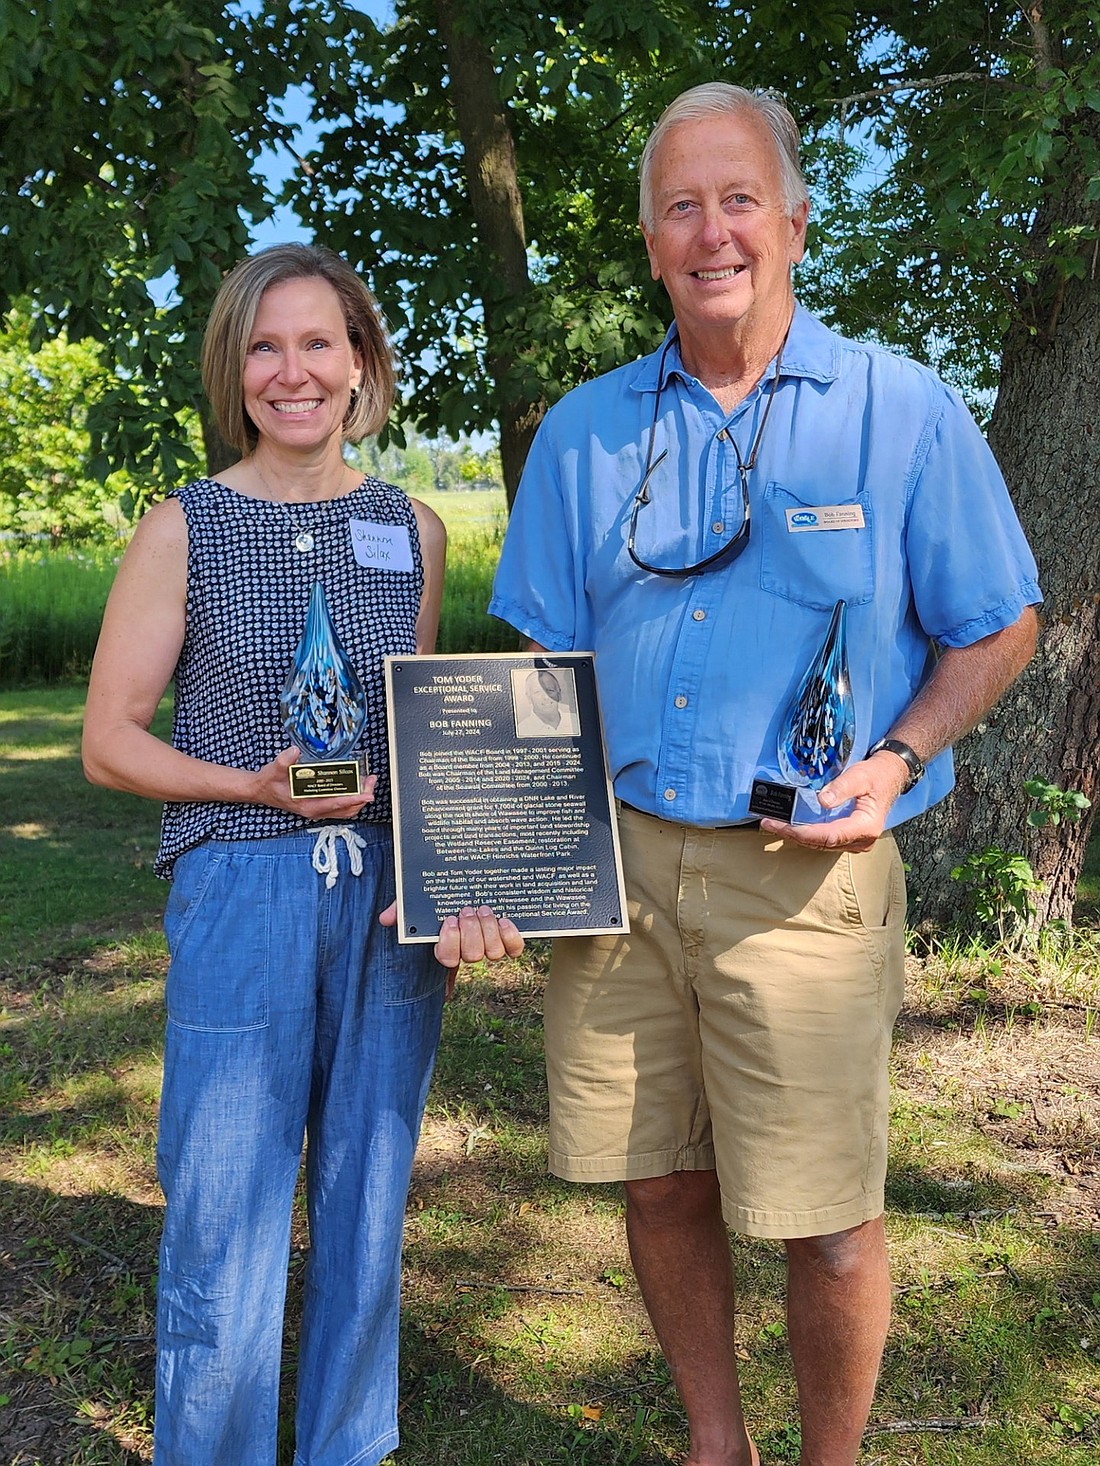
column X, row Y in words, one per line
column 326, row 860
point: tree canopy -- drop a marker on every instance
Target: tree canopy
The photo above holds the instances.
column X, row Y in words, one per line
column 486, row 177
column 46, row 489
column 129, row 141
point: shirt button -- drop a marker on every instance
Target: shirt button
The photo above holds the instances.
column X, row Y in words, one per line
column 723, row 436
column 670, row 793
column 698, row 615
column 681, row 701
column 717, row 527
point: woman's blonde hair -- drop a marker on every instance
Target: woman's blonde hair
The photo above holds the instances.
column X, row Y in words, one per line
column 225, row 344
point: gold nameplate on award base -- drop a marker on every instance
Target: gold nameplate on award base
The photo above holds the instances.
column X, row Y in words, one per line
column 323, row 780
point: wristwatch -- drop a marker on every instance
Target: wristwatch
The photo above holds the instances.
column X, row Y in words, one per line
column 912, row 761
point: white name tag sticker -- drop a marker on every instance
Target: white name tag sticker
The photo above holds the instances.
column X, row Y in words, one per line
column 381, row 546
column 825, row 516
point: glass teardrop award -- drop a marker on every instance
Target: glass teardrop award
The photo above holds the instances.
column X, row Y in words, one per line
column 817, row 730
column 324, row 709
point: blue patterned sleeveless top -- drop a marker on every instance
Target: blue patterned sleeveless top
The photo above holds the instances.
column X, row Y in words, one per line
column 248, row 589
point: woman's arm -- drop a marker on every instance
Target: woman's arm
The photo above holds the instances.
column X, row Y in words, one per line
column 139, row 646
column 433, row 552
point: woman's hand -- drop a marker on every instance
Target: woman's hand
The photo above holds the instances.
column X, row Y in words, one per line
column 272, row 787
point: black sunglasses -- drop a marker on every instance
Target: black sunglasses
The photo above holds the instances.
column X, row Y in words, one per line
column 737, row 542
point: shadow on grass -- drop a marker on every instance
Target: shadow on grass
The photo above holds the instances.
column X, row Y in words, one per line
column 993, row 1334
column 919, row 1191
column 79, row 1025
column 76, row 1297
column 453, row 1415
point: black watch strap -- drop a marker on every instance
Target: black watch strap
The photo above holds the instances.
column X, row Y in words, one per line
column 913, row 761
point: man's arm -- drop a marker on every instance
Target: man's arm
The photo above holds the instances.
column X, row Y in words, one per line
column 964, row 685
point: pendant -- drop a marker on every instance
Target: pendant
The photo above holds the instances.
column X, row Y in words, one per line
column 818, row 728
column 303, row 542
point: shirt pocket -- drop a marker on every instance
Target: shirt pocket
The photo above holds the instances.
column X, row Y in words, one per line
column 815, row 568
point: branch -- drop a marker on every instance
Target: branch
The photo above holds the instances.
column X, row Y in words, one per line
column 941, row 1424
column 916, row 84
column 304, row 165
column 470, row 1283
column 1040, row 36
column 84, row 168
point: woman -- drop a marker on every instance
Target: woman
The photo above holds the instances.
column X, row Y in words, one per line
column 291, row 1009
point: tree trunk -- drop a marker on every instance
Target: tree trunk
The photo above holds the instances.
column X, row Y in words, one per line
column 493, row 181
column 1046, row 435
column 219, row 454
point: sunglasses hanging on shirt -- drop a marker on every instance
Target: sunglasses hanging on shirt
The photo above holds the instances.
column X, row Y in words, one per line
column 727, row 553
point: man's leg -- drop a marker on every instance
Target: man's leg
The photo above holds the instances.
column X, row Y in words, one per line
column 838, row 1311
column 680, row 1250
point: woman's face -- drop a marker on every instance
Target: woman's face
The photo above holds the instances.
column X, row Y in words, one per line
column 300, row 367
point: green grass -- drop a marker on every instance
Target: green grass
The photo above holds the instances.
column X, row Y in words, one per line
column 524, row 1338
column 1088, row 890
column 74, row 860
column 475, row 529
column 51, row 604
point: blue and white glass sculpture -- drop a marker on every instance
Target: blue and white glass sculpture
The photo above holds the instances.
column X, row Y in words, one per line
column 815, row 736
column 322, row 704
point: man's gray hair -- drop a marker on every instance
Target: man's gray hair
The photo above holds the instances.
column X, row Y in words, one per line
column 713, row 99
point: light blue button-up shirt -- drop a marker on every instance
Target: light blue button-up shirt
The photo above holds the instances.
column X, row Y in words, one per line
column 696, row 673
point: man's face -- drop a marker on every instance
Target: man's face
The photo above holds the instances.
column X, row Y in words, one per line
column 545, row 695
column 722, row 237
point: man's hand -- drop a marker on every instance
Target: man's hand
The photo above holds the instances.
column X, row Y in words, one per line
column 964, row 685
column 471, row 936
column 874, row 784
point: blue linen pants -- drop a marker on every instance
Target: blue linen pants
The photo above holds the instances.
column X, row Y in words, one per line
column 291, row 1012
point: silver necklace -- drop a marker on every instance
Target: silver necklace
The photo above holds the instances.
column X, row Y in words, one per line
column 303, row 538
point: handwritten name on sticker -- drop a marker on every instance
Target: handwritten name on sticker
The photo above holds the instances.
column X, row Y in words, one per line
column 825, row 516
column 381, row 546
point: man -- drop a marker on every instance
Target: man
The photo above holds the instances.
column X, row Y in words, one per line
column 547, row 715
column 712, row 503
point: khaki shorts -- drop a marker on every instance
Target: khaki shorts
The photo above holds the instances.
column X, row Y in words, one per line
column 743, row 1024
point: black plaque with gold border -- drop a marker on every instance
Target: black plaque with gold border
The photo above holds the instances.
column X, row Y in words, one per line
column 501, row 794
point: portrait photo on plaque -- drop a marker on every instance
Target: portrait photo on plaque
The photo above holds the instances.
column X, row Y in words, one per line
column 544, row 702
column 501, row 793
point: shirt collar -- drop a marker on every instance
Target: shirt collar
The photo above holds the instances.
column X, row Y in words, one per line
column 811, row 351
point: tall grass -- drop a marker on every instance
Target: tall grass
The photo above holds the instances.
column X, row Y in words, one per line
column 463, row 624
column 51, row 604
column 51, row 601
column 475, row 523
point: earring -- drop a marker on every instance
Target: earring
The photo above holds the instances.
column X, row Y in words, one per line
column 353, row 399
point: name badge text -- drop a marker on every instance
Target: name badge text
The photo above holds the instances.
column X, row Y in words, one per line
column 825, row 516
column 381, row 546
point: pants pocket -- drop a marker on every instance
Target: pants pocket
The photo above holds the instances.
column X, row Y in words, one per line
column 218, row 926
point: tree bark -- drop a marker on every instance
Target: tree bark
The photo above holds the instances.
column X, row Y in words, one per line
column 493, row 181
column 1046, row 436
column 219, row 454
